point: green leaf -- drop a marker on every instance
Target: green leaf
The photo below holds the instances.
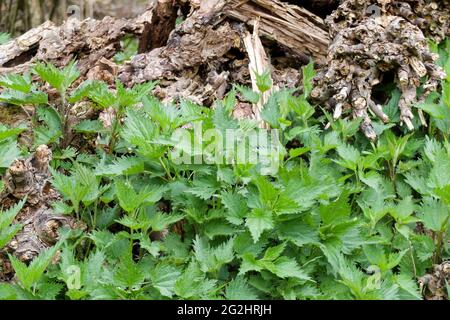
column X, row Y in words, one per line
column 244, row 244
column 17, row 82
column 8, row 231
column 161, row 221
column 61, row 80
column 19, row 98
column 222, row 119
column 211, row 259
column 298, row 232
column 90, row 126
column 273, row 253
column 99, row 93
column 435, row 110
column 424, row 247
column 249, row 263
column 238, row 289
column 204, row 188
column 163, row 278
column 193, row 283
column 248, row 94
column 403, row 211
column 70, row 188
column 285, row 267
column 53, row 130
column 308, row 75
column 129, row 275
column 129, row 200
column 218, row 227
column 264, row 81
column 121, row 166
column 236, row 205
column 336, row 211
column 350, row 156
column 9, row 291
column 4, row 38
column 82, row 91
column 409, row 285
column 434, row 214
column 29, row 276
column 271, row 112
column 6, row 132
column 133, row 96
column 139, row 130
column 259, row 220
column 8, row 153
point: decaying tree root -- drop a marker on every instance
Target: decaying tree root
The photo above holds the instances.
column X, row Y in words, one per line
column 30, row 179
column 364, row 49
column 434, row 285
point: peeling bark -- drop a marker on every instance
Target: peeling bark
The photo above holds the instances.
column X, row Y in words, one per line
column 259, row 63
column 292, row 26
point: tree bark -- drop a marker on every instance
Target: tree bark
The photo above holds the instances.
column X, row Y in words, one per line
column 292, row 26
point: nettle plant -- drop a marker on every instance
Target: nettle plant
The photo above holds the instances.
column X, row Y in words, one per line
column 20, row 90
column 57, row 118
column 341, row 218
column 4, row 38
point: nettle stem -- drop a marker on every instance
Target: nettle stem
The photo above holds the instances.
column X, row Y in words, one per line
column 65, row 113
column 113, row 139
column 114, row 130
column 438, row 253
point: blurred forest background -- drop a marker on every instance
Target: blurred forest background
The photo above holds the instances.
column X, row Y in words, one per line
column 18, row 16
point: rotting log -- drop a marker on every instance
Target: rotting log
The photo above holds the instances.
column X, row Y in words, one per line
column 296, row 28
column 30, row 179
column 157, row 30
column 193, row 45
column 87, row 41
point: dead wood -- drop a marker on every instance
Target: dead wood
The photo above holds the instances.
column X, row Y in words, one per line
column 364, row 49
column 207, row 52
column 191, row 64
column 292, row 26
column 156, row 32
column 30, row 179
column 430, row 16
column 259, row 63
column 196, row 60
column 434, row 285
column 87, row 41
